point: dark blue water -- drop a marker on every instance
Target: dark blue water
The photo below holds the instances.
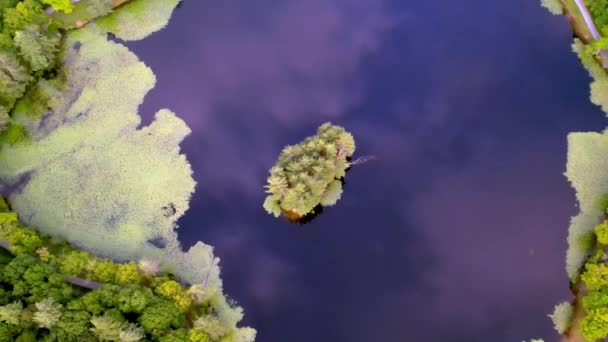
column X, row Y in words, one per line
column 457, row 232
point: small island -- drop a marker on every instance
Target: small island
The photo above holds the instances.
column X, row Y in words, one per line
column 309, row 174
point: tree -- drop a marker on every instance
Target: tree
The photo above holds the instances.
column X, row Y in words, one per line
column 43, row 282
column 159, row 317
column 13, row 78
column 6, row 332
column 595, row 276
column 179, row 335
column 103, row 270
column 132, row 333
column 25, row 241
column 24, row 14
column 128, row 274
column 27, row 336
column 33, row 281
column 594, row 325
column 73, row 326
column 47, row 313
column 196, row 335
column 601, row 230
column 10, row 313
column 107, row 328
column 30, row 50
column 37, row 49
column 596, row 299
column 599, row 12
column 133, row 299
column 74, row 263
column 174, row 291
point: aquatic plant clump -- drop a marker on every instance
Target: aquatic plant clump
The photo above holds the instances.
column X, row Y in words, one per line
column 309, row 173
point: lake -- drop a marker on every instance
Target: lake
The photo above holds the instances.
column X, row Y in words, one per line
column 456, row 232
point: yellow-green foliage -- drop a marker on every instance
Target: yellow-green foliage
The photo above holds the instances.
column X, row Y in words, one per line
column 25, row 241
column 127, row 274
column 196, row 335
column 595, row 276
column 601, row 230
column 561, row 316
column 587, row 171
column 138, row 18
column 596, row 299
column 173, row 290
column 594, row 325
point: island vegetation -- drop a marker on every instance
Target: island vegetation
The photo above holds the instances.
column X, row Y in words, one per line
column 308, row 174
